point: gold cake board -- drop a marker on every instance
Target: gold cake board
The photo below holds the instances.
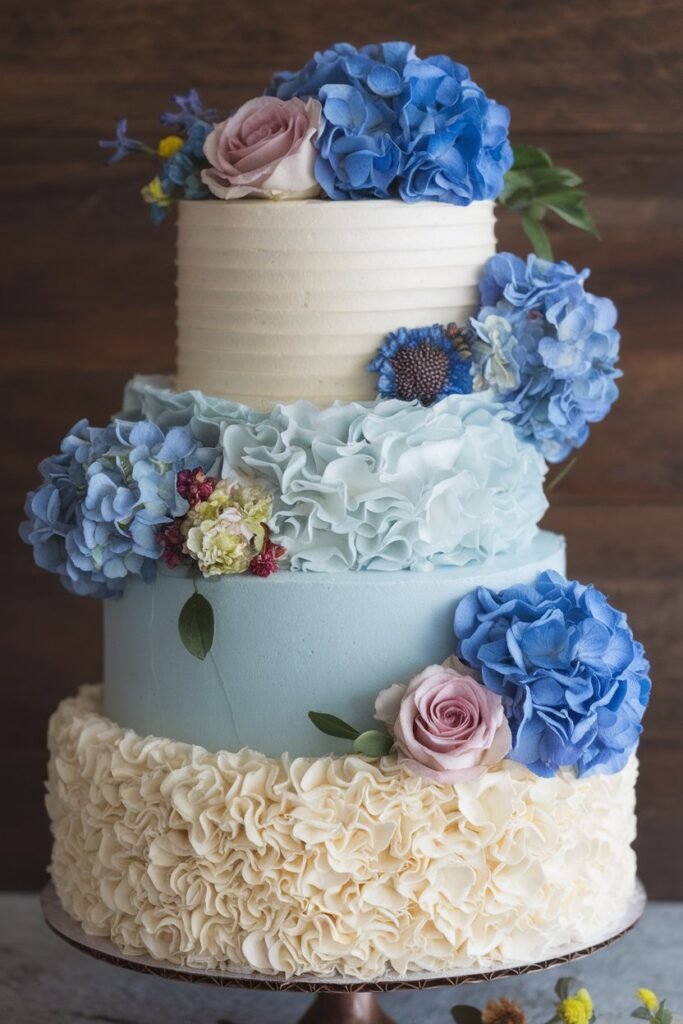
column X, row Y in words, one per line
column 339, row 1000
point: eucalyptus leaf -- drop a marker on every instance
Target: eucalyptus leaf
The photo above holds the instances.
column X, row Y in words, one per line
column 196, row 626
column 333, row 726
column 537, row 236
column 466, row 1014
column 663, row 1015
column 373, row 743
column 641, row 1013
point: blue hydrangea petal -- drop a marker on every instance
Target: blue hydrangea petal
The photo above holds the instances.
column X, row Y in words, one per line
column 577, row 696
column 93, row 520
column 547, row 348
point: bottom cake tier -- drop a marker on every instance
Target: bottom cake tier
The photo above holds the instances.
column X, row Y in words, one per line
column 329, row 865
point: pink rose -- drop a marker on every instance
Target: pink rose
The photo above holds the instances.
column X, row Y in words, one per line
column 446, row 725
column 264, row 149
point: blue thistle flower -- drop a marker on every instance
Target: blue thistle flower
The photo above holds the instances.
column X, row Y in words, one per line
column 190, row 110
column 423, row 363
column 122, row 144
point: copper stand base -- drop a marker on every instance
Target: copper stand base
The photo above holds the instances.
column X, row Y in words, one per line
column 345, row 1008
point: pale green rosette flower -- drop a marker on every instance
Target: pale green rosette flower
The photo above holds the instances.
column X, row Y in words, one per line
column 224, row 533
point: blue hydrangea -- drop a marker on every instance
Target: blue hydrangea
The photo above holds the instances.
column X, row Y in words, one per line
column 548, row 349
column 377, row 69
column 455, row 138
column 357, row 158
column 423, row 364
column 574, row 682
column 94, row 519
column 394, row 124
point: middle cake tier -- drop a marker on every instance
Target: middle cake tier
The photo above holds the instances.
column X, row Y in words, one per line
column 295, row 643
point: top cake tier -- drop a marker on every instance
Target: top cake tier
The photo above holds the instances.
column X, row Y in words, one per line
column 281, row 301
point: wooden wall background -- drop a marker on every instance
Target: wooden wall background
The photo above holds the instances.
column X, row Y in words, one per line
column 89, row 298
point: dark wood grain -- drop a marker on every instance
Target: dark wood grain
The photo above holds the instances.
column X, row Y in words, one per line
column 89, row 297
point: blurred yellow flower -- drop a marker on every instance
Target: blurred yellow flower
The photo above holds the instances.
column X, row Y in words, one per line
column 169, row 145
column 576, row 1009
column 648, row 999
column 583, row 995
column 154, row 193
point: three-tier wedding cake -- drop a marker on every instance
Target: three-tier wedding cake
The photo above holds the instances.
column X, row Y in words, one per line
column 355, row 720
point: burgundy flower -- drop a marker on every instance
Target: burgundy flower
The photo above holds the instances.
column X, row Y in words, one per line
column 172, row 544
column 194, row 486
column 265, row 562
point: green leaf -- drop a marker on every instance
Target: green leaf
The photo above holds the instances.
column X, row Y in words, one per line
column 530, row 156
column 333, row 726
column 534, row 187
column 641, row 1013
column 564, row 197
column 575, row 214
column 537, row 236
column 196, row 626
column 518, row 179
column 663, row 1015
column 466, row 1015
column 563, row 987
column 373, row 743
column 551, row 177
column 518, row 202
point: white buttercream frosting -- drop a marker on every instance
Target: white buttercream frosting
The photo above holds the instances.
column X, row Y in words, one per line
column 236, row 860
column 280, row 301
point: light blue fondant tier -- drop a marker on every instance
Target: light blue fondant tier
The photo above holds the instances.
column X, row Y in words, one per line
column 285, row 645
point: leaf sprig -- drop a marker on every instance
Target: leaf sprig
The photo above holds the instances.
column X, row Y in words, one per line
column 372, row 742
column 534, row 187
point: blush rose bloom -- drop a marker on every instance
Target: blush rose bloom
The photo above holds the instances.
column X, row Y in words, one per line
column 265, row 149
column 447, row 726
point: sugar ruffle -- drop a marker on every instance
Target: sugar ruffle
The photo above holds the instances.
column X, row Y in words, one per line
column 385, row 485
column 239, row 861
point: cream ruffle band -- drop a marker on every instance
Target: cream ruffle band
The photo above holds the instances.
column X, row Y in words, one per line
column 334, row 864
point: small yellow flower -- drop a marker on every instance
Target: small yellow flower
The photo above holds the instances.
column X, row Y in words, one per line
column 584, row 996
column 154, row 193
column 169, row 145
column 648, row 999
column 576, row 1009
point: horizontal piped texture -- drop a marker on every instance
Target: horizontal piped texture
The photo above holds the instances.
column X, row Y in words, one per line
column 327, row 865
column 296, row 642
column 285, row 300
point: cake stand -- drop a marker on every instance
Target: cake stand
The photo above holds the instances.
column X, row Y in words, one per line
column 339, row 1000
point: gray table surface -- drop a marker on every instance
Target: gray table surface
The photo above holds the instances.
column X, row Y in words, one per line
column 45, row 981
